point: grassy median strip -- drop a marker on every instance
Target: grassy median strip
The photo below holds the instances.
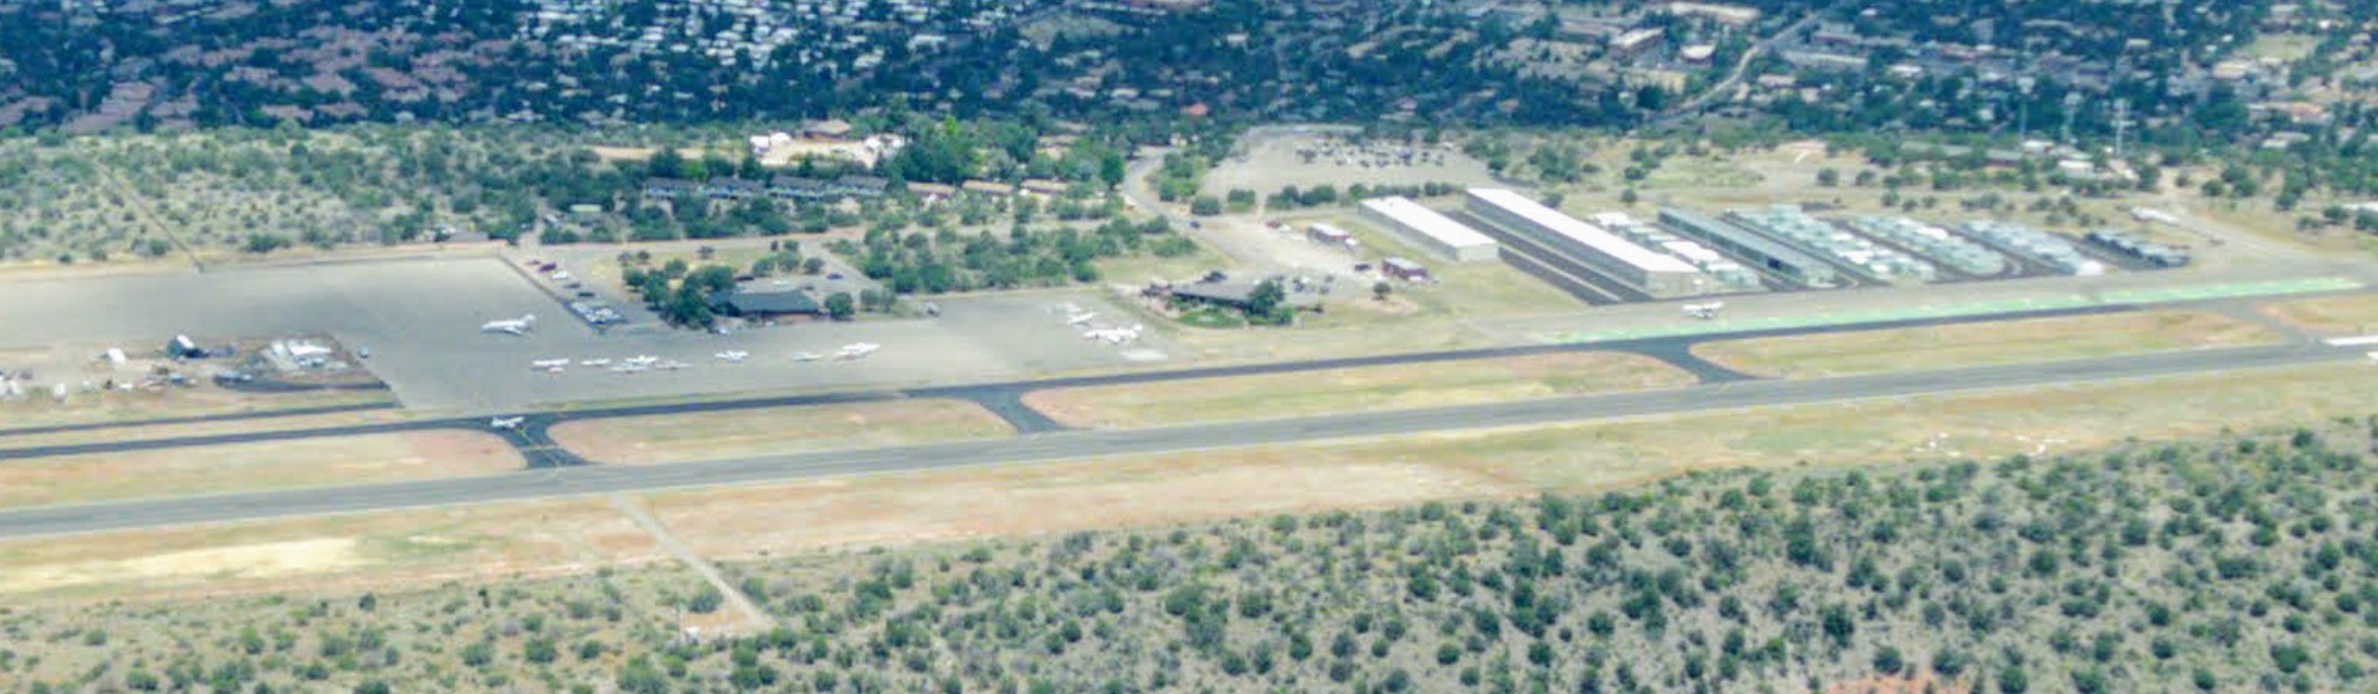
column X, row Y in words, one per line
column 2329, row 315
column 253, row 467
column 733, row 434
column 1982, row 344
column 1361, row 389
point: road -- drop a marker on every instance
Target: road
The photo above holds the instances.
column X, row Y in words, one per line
column 1077, row 445
column 1734, row 76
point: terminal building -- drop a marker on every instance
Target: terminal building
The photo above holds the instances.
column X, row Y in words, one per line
column 1657, row 274
column 1429, row 231
column 1748, row 245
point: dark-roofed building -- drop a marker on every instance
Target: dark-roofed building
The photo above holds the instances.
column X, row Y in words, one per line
column 1237, row 293
column 668, row 188
column 798, row 188
column 731, row 189
column 861, row 186
column 746, row 301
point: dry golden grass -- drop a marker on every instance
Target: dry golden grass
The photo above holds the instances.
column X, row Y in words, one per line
column 1980, row 344
column 253, row 467
column 1362, row 389
column 359, row 552
column 2329, row 315
column 679, row 438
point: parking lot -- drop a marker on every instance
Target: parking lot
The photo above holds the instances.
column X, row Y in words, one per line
column 420, row 321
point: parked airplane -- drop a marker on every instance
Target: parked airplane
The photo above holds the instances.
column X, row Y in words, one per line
column 1079, row 318
column 594, row 362
column 630, row 368
column 516, row 326
column 1114, row 336
column 734, row 355
column 859, row 350
column 505, row 423
column 807, row 356
column 1704, row 311
column 669, row 365
column 642, row 360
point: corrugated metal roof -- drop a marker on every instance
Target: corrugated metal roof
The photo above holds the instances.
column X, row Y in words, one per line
column 1576, row 230
column 1427, row 221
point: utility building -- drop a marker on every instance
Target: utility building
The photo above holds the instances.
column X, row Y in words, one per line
column 1657, row 274
column 1427, row 230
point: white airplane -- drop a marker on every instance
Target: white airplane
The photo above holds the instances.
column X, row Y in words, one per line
column 516, row 326
column 859, row 350
column 1079, row 318
column 807, row 356
column 594, row 362
column 642, row 360
column 550, row 363
column 505, row 423
column 1114, row 336
column 734, row 355
column 630, row 369
column 1706, row 311
column 669, row 365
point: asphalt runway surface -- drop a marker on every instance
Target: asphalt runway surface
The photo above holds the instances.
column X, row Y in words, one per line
column 1076, row 445
column 1004, row 399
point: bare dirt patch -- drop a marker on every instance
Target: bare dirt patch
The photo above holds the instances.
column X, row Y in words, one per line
column 678, row 438
column 2328, row 315
column 1363, row 389
column 1980, row 344
column 253, row 467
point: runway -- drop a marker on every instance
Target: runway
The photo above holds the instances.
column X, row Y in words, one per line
column 1076, row 445
column 1004, row 399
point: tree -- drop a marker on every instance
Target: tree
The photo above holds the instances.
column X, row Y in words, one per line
column 1268, row 303
column 1380, row 289
column 1205, row 206
column 840, row 306
column 665, row 163
column 1829, row 178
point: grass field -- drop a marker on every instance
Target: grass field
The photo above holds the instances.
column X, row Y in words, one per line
column 1361, row 389
column 2329, row 315
column 253, row 467
column 678, row 438
column 1979, row 344
column 400, row 549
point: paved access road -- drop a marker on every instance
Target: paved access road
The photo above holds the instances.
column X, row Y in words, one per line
column 1072, row 445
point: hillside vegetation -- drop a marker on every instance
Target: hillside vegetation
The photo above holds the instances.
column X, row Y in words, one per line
column 2240, row 564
